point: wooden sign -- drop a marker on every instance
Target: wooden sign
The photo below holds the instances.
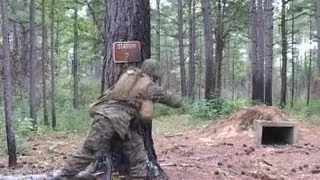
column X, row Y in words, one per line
column 126, row 52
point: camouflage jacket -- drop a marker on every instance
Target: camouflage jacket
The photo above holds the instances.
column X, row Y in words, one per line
column 120, row 109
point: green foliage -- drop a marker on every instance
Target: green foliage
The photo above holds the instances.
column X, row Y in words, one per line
column 75, row 120
column 306, row 113
column 23, row 128
column 162, row 110
column 206, row 110
column 69, row 120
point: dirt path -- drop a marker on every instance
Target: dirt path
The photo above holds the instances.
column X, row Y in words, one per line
column 193, row 155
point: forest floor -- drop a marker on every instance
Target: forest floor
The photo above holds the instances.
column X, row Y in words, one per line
column 224, row 149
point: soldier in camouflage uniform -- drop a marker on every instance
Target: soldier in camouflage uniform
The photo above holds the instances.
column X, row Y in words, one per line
column 115, row 112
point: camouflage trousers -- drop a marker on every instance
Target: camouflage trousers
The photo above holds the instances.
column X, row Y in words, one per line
column 99, row 139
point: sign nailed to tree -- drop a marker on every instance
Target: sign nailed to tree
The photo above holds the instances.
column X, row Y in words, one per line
column 126, row 52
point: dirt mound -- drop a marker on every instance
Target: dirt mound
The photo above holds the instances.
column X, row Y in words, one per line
column 241, row 123
column 315, row 88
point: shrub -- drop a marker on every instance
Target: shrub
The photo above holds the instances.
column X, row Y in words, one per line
column 206, row 110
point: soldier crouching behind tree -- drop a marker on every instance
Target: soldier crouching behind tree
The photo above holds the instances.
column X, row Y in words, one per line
column 115, row 114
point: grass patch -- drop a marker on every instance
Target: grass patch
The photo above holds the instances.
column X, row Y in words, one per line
column 304, row 113
column 175, row 124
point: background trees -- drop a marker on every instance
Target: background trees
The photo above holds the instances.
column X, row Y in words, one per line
column 11, row 142
column 60, row 52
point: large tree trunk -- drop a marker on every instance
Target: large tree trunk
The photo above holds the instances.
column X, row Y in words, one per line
column 129, row 20
column 181, row 50
column 269, row 52
column 32, row 60
column 256, row 94
column 318, row 36
column 53, row 68
column 261, row 51
column 210, row 74
column 44, row 61
column 284, row 44
column 11, row 142
column 75, row 63
column 192, row 41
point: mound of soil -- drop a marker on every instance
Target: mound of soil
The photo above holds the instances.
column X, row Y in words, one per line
column 241, row 123
column 316, row 88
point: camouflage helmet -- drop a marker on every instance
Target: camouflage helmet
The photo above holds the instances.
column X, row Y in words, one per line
column 152, row 68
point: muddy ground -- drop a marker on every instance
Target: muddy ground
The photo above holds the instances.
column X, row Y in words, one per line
column 195, row 155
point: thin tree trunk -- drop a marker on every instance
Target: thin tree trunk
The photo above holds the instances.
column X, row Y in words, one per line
column 32, row 69
column 11, row 142
column 284, row 56
column 44, row 62
column 210, row 74
column 181, row 50
column 200, row 68
column 269, row 52
column 192, row 67
column 292, row 52
column 310, row 62
column 318, row 36
column 16, row 38
column 167, row 59
column 57, row 70
column 158, row 35
column 53, row 67
column 233, row 72
column 219, row 47
column 75, row 60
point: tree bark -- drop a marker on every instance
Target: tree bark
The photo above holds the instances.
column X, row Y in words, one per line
column 220, row 42
column 192, row 41
column 261, row 51
column 269, row 52
column 158, row 35
column 292, row 58
column 318, row 36
column 181, row 50
column 310, row 62
column 256, row 94
column 210, row 72
column 128, row 20
column 11, row 142
column 284, row 44
column 168, row 68
column 44, row 62
column 75, row 63
column 32, row 60
column 16, row 38
column 53, row 67
column 233, row 72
